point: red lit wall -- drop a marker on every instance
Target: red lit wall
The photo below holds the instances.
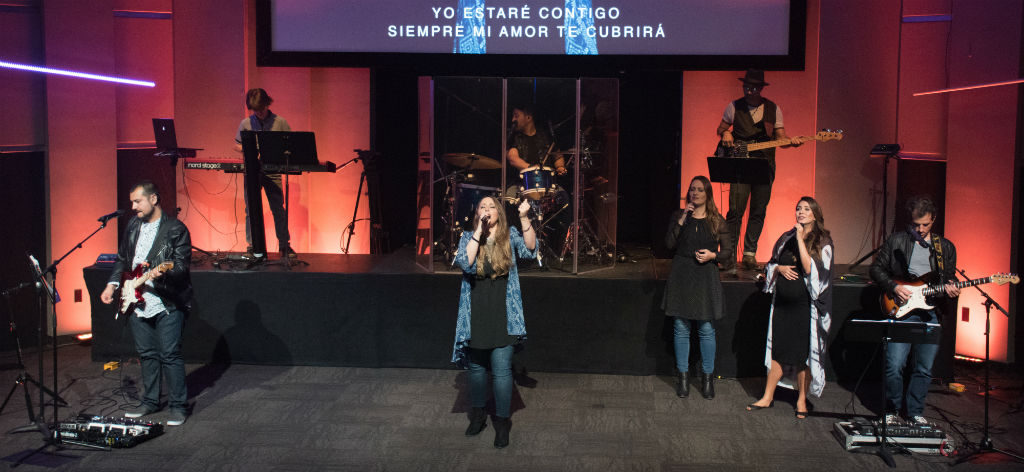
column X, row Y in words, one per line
column 985, row 47
column 81, row 137
column 705, row 95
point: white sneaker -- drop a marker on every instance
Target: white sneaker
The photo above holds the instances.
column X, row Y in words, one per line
column 920, row 420
column 892, row 419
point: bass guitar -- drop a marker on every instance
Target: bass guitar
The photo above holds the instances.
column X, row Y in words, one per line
column 132, row 284
column 744, row 148
column 920, row 289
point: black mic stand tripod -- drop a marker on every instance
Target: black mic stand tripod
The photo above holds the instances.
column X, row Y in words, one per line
column 24, row 379
column 985, row 446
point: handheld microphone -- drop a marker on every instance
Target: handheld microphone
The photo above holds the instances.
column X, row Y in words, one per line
column 110, row 216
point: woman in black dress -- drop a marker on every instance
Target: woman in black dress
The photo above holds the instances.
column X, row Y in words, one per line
column 693, row 292
column 799, row 276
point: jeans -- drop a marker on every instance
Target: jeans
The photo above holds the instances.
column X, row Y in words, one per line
column 706, row 333
column 738, row 194
column 921, row 372
column 275, row 200
column 158, row 341
column 500, row 362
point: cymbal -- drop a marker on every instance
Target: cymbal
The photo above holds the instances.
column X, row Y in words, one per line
column 470, row 160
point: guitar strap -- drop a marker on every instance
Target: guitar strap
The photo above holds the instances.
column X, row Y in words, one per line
column 937, row 243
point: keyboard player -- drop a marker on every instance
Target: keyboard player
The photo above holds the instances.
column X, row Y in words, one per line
column 262, row 119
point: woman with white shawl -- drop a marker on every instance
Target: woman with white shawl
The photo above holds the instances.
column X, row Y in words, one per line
column 799, row 277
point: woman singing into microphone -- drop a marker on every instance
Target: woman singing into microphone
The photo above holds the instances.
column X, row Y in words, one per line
column 799, row 276
column 490, row 318
column 693, row 292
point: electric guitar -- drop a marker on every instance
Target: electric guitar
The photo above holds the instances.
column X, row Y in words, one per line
column 920, row 289
column 744, row 148
column 132, row 284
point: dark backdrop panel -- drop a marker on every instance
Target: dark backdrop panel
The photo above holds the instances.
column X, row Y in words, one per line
column 918, row 177
column 575, row 324
column 393, row 134
column 135, row 165
column 651, row 123
column 23, row 191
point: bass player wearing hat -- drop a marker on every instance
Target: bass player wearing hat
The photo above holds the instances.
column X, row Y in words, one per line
column 751, row 118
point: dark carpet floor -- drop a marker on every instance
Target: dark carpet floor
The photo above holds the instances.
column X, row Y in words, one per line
column 249, row 418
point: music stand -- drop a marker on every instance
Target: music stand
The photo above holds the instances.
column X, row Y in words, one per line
column 740, row 170
column 281, row 152
column 889, row 330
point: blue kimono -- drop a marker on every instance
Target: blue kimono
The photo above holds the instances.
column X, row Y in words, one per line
column 513, row 294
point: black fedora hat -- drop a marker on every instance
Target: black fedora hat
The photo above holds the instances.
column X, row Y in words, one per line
column 753, row 77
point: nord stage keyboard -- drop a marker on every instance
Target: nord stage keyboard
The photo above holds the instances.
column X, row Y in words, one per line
column 925, row 439
column 234, row 166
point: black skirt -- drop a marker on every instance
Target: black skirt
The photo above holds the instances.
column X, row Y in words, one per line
column 791, row 319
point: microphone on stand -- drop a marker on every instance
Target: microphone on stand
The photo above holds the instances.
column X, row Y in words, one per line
column 105, row 218
column 917, row 237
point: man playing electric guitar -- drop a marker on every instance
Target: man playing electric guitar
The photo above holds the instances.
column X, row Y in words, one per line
column 153, row 238
column 907, row 255
column 752, row 118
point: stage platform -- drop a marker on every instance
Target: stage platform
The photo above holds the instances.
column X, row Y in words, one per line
column 385, row 311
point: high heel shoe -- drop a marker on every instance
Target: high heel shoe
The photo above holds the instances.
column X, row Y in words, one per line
column 753, row 407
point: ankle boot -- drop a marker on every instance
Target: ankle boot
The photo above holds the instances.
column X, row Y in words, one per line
column 707, row 385
column 683, row 385
column 477, row 421
column 501, row 427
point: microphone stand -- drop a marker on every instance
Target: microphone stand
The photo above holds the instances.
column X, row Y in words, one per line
column 49, row 288
column 985, row 446
column 360, row 155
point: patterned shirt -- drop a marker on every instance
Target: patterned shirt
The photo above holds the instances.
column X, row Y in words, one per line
column 153, row 305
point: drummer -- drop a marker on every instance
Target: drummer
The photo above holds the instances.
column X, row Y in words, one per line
column 531, row 145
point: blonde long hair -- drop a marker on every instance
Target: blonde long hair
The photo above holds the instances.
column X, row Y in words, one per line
column 497, row 249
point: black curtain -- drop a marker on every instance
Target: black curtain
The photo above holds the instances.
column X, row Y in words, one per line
column 23, row 191
column 650, row 108
column 391, row 175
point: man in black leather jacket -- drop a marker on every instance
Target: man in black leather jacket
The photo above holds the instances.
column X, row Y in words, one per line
column 150, row 239
column 904, row 257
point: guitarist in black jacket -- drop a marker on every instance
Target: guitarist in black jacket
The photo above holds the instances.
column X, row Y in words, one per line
column 150, row 239
column 908, row 255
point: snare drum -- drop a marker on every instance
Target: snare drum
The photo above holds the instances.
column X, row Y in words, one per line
column 537, row 181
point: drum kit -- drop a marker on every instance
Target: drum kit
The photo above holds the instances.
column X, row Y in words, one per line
column 549, row 201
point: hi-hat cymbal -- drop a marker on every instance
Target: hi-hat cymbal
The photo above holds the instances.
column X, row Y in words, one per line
column 468, row 160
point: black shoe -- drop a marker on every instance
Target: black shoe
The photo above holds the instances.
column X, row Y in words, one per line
column 477, row 421
column 287, row 251
column 683, row 385
column 501, row 427
column 707, row 382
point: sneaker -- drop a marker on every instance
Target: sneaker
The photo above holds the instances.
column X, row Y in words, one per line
column 139, row 412
column 892, row 419
column 287, row 251
column 920, row 420
column 749, row 262
column 176, row 418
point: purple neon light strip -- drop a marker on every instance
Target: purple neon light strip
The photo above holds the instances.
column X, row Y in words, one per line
column 81, row 75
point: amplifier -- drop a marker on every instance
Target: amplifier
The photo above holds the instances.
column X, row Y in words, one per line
column 924, row 439
column 107, row 431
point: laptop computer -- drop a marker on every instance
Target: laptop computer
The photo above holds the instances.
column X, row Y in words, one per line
column 167, row 140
